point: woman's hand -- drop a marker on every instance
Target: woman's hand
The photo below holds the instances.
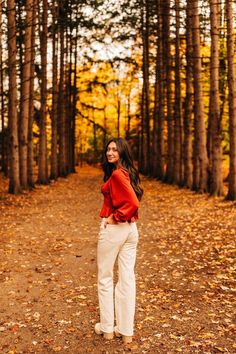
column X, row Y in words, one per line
column 111, row 220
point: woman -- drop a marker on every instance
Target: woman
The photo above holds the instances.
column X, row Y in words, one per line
column 118, row 239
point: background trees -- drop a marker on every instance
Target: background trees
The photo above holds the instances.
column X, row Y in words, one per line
column 14, row 171
column 190, row 61
column 152, row 71
column 232, row 101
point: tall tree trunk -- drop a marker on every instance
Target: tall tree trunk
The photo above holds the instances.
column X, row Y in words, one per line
column 118, row 113
column 169, row 176
column 61, row 97
column 177, row 107
column 104, row 140
column 232, row 101
column 200, row 173
column 156, row 106
column 160, row 99
column 141, row 163
column 141, row 151
column 70, row 92
column 147, row 85
column 54, row 112
column 3, row 133
column 146, row 99
column 30, row 153
column 74, row 100
column 20, row 25
column 127, row 132
column 25, row 95
column 95, row 146
column 188, row 113
column 43, row 168
column 216, row 180
column 14, row 183
column 68, row 79
column 222, row 58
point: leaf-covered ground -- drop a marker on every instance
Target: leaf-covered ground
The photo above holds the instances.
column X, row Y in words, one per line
column 185, row 271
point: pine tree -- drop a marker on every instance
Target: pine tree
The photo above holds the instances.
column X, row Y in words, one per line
column 14, row 173
column 200, row 172
column 232, row 101
column 216, row 180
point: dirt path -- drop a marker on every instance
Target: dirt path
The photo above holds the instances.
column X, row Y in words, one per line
column 185, row 271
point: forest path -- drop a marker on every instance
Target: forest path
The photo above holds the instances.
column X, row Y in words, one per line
column 185, row 271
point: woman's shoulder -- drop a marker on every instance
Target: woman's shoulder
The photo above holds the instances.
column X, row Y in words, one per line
column 120, row 173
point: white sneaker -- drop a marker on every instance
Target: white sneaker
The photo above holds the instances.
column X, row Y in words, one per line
column 126, row 339
column 116, row 332
column 97, row 329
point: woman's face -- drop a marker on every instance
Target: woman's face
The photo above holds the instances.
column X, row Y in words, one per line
column 112, row 153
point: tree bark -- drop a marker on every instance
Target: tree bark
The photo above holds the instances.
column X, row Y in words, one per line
column 30, row 153
column 216, row 180
column 177, row 106
column 156, row 106
column 200, row 172
column 141, row 151
column 118, row 112
column 169, row 176
column 160, row 102
column 70, row 94
column 68, row 78
column 61, row 97
column 146, row 99
column 25, row 95
column 188, row 113
column 232, row 101
column 14, row 173
column 43, row 168
column 127, row 131
column 74, row 100
column 54, row 112
column 3, row 132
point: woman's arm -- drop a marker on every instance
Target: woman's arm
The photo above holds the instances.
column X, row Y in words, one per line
column 124, row 199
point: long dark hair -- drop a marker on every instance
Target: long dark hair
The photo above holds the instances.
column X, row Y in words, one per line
column 126, row 162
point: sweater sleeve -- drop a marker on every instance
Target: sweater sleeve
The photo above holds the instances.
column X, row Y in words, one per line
column 124, row 199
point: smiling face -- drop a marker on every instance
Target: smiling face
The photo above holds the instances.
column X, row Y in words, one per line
column 112, row 153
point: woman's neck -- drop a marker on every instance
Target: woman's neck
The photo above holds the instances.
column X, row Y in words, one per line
column 117, row 165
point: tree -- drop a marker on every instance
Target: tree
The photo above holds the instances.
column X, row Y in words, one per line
column 25, row 95
column 169, row 176
column 200, row 172
column 43, row 167
column 156, row 97
column 232, row 101
column 14, row 173
column 216, row 180
column 159, row 104
column 30, row 153
column 3, row 132
column 74, row 100
column 188, row 112
column 61, row 94
column 177, row 106
column 54, row 111
column 145, row 143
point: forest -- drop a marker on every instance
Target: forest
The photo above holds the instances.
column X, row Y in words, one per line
column 159, row 73
column 74, row 74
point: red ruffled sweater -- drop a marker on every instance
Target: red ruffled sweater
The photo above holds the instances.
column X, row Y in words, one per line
column 119, row 197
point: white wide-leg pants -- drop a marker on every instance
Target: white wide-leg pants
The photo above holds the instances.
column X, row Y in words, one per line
column 117, row 242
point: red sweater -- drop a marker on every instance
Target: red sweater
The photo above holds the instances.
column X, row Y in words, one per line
column 119, row 197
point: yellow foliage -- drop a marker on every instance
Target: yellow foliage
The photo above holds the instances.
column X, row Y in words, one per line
column 106, row 94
